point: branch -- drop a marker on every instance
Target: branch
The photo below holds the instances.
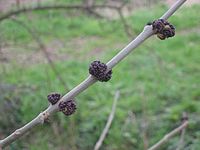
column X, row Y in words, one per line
column 21, row 131
column 43, row 48
column 168, row 136
column 173, row 9
column 64, row 7
column 90, row 80
column 127, row 28
column 108, row 124
column 144, row 123
column 88, row 8
column 181, row 141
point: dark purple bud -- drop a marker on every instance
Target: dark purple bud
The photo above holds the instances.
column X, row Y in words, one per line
column 68, row 107
column 168, row 31
column 53, row 98
column 163, row 29
column 171, row 26
column 172, row 33
column 158, row 25
column 99, row 70
column 165, row 22
column 106, row 76
column 161, row 36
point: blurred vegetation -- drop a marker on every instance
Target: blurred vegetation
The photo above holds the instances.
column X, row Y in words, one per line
column 158, row 82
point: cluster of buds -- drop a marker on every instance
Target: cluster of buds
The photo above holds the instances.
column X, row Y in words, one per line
column 163, row 29
column 68, row 107
column 99, row 71
column 53, row 98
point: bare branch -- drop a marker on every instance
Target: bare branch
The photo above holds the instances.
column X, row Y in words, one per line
column 56, row 7
column 88, row 7
column 21, row 131
column 168, row 136
column 173, row 9
column 89, row 4
column 127, row 28
column 181, row 141
column 108, row 123
column 90, row 80
column 43, row 49
column 144, row 123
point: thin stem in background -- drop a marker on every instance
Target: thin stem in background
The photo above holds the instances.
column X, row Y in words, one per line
column 89, row 7
column 55, row 7
column 181, row 141
column 43, row 49
column 128, row 30
column 144, row 123
column 168, row 136
column 108, row 123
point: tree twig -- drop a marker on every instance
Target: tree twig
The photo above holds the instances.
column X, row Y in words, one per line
column 64, row 7
column 108, row 123
column 127, row 28
column 90, row 8
column 43, row 48
column 90, row 80
column 19, row 132
column 181, row 141
column 168, row 136
column 144, row 123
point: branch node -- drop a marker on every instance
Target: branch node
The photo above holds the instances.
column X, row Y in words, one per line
column 17, row 132
column 44, row 117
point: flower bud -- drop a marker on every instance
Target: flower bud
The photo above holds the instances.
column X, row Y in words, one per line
column 53, row 98
column 99, row 70
column 68, row 107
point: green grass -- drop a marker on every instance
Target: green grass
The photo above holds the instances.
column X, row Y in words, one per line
column 158, row 81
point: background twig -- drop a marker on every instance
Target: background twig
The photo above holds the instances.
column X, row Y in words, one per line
column 43, row 48
column 64, row 7
column 108, row 123
column 181, row 141
column 88, row 7
column 168, row 136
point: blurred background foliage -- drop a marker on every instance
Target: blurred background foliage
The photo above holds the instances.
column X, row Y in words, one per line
column 157, row 82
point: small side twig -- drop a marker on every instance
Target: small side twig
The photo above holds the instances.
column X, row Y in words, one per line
column 108, row 123
column 127, row 28
column 168, row 136
column 144, row 124
column 52, row 7
column 42, row 48
column 181, row 141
